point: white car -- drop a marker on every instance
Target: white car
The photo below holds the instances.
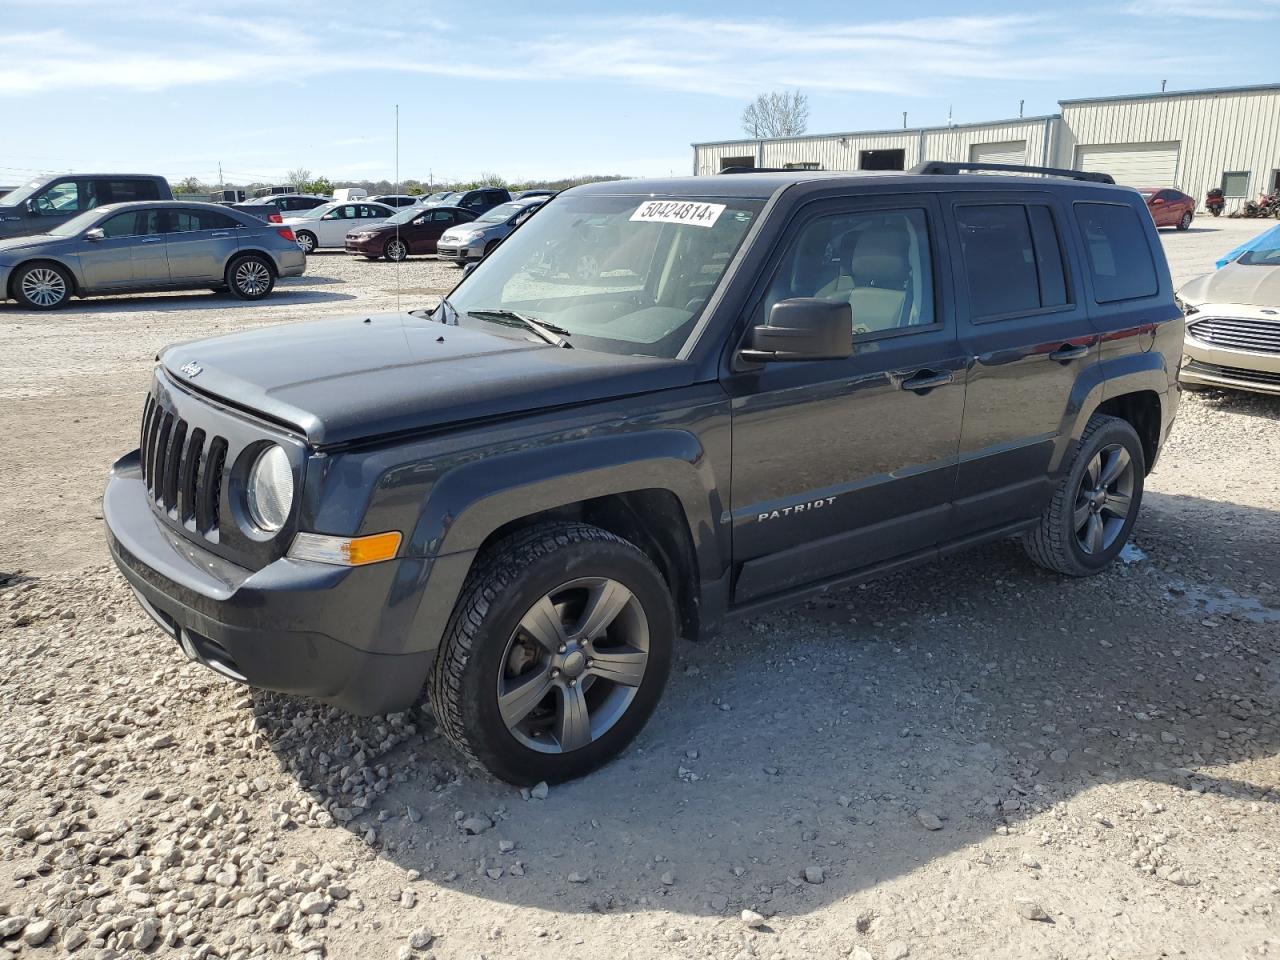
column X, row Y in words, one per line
column 327, row 226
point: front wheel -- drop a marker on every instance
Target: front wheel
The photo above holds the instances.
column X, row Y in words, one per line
column 1216, row 211
column 251, row 277
column 1185, row 222
column 1087, row 523
column 556, row 653
column 306, row 240
column 396, row 250
column 42, row 286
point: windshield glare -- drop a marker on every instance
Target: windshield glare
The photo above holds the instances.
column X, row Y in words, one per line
column 501, row 213
column 613, row 283
column 314, row 212
column 406, row 215
column 1263, row 256
column 15, row 197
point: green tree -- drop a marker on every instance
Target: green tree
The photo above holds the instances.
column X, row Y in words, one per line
column 190, row 185
column 320, row 186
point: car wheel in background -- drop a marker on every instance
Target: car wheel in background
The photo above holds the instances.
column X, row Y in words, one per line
column 251, row 277
column 1185, row 222
column 556, row 653
column 396, row 250
column 1087, row 523
column 306, row 240
column 42, row 286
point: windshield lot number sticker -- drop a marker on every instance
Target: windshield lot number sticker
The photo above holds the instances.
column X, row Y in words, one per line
column 679, row 211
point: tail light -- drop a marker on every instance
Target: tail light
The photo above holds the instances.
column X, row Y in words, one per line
column 287, row 233
column 274, row 218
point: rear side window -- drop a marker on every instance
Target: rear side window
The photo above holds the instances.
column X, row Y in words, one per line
column 1012, row 259
column 126, row 191
column 186, row 221
column 1119, row 255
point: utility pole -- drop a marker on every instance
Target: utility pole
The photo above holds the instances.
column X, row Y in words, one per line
column 904, row 119
column 1021, row 104
column 1162, row 83
column 220, row 183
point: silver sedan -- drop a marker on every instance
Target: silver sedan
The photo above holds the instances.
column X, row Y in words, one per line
column 143, row 246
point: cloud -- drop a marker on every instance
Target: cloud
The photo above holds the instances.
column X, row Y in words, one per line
column 722, row 56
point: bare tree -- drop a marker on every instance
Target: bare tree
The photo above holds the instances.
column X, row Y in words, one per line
column 298, row 176
column 777, row 114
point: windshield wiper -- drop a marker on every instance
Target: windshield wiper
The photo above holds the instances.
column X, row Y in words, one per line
column 547, row 331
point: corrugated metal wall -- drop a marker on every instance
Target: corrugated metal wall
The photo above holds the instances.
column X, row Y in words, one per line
column 842, row 152
column 1217, row 132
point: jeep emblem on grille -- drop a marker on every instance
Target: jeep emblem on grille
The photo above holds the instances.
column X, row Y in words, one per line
column 191, row 369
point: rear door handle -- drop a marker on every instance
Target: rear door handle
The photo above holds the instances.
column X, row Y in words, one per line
column 1068, row 352
column 221, row 233
column 153, row 239
column 926, row 380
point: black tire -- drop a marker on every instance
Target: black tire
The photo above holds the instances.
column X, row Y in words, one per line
column 1216, row 211
column 306, row 240
column 396, row 250
column 507, row 583
column 1185, row 222
column 42, row 286
column 1055, row 543
column 251, row 276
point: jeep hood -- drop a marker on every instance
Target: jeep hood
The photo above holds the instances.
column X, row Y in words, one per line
column 1252, row 284
column 354, row 378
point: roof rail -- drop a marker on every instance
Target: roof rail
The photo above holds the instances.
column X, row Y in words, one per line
column 930, row 167
column 759, row 170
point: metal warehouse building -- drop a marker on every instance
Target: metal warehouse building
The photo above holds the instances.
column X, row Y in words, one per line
column 1227, row 137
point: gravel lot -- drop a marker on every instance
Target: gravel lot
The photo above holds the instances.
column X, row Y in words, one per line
column 972, row 759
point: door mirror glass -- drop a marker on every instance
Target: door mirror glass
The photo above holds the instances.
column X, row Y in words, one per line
column 31, row 206
column 95, row 233
column 803, row 328
column 469, row 267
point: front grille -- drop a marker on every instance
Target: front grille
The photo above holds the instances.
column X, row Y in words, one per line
column 182, row 468
column 1234, row 373
column 1238, row 333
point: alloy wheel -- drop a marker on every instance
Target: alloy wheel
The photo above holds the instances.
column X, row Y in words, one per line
column 396, row 250
column 253, row 279
column 1104, row 500
column 573, row 665
column 44, row 286
column 306, row 242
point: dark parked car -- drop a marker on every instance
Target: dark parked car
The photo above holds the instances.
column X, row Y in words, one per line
column 290, row 204
column 43, row 203
column 469, row 242
column 1169, row 207
column 414, row 230
column 521, row 497
column 394, row 199
column 131, row 247
column 477, row 201
column 526, row 194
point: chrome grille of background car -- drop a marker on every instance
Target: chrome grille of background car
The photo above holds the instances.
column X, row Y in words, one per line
column 1239, row 333
column 182, row 468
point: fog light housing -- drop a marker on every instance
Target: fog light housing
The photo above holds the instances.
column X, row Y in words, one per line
column 345, row 551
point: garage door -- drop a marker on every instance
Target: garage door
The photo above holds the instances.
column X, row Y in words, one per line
column 1135, row 164
column 1008, row 151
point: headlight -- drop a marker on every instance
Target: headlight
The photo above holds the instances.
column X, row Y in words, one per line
column 270, row 489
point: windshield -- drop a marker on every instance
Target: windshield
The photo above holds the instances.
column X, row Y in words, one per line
column 619, row 274
column 434, row 197
column 314, row 212
column 15, row 197
column 1266, row 254
column 404, row 216
column 77, row 224
column 501, row 213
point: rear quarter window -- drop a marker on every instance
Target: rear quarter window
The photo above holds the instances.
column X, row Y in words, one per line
column 1119, row 255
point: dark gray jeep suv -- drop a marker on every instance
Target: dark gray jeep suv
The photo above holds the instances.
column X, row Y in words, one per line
column 771, row 384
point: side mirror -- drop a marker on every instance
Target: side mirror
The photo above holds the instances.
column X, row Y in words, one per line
column 804, row 328
column 95, row 233
column 466, row 271
column 30, row 206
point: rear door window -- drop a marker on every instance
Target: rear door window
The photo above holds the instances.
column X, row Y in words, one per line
column 1012, row 259
column 187, row 221
column 1119, row 256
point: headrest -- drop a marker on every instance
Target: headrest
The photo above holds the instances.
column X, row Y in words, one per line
column 880, row 257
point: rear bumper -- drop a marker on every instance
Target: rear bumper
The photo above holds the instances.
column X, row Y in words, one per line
column 291, row 263
column 304, row 628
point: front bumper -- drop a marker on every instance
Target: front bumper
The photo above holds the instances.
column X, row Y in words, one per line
column 1216, row 366
column 338, row 634
column 366, row 248
column 459, row 252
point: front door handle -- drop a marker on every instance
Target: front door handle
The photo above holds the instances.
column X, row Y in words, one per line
column 926, row 380
column 153, row 239
column 221, row 233
column 1068, row 352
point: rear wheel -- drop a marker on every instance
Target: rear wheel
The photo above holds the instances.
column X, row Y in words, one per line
column 250, row 277
column 396, row 250
column 556, row 654
column 306, row 240
column 42, row 286
column 1087, row 523
column 1216, row 211
column 1185, row 222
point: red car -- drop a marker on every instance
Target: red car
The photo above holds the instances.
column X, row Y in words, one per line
column 1169, row 207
